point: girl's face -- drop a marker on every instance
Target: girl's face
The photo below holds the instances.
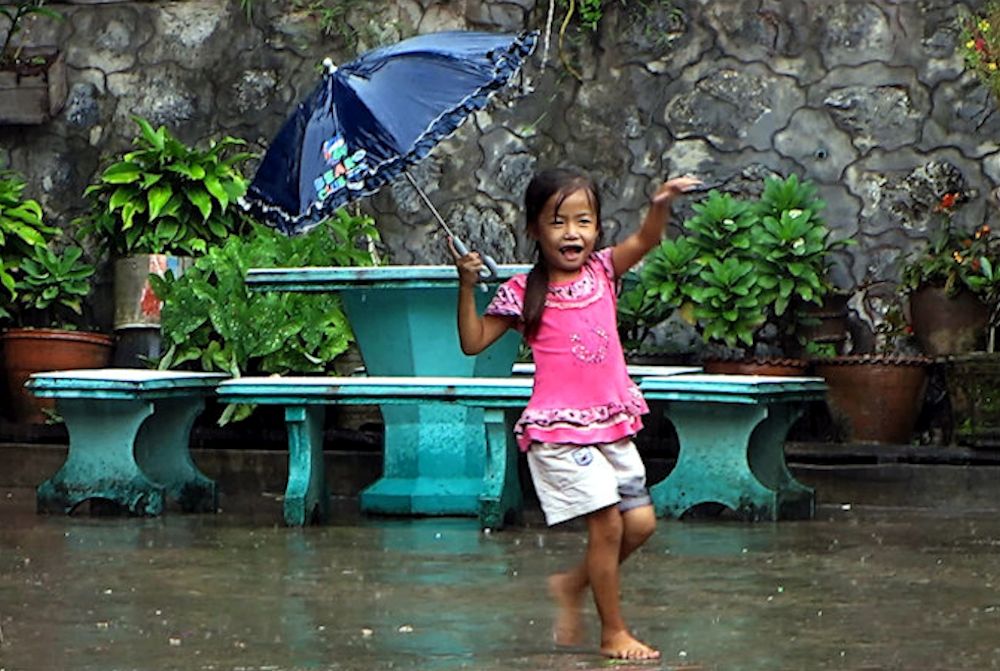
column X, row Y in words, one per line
column 566, row 237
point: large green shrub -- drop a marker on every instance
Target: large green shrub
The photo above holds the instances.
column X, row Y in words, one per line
column 166, row 197
column 740, row 265
column 22, row 230
column 212, row 321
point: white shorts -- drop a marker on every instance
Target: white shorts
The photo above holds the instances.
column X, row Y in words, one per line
column 574, row 480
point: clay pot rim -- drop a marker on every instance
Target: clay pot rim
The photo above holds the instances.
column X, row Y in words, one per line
column 760, row 361
column 47, row 333
column 873, row 359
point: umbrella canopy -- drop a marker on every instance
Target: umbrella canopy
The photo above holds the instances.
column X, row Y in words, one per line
column 368, row 120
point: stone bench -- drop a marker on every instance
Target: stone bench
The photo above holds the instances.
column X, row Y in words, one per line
column 129, row 432
column 304, row 398
column 731, row 430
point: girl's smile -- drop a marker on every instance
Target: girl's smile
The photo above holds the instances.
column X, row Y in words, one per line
column 567, row 236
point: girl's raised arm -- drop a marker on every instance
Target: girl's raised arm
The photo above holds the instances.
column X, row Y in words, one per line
column 630, row 251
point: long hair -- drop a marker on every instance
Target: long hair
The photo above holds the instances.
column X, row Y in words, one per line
column 543, row 186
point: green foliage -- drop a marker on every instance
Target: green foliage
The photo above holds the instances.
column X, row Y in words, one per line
column 22, row 230
column 952, row 259
column 15, row 13
column 741, row 265
column 333, row 16
column 51, row 286
column 212, row 321
column 728, row 300
column 166, row 197
column 979, row 43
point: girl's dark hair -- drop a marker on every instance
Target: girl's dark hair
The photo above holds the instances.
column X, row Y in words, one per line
column 542, row 187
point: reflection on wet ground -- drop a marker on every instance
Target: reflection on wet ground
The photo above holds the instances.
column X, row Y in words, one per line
column 854, row 589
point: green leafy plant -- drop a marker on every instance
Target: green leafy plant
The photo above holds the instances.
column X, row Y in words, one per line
column 212, row 321
column 16, row 13
column 51, row 287
column 166, row 197
column 743, row 264
column 650, row 295
column 952, row 259
column 979, row 44
column 22, row 230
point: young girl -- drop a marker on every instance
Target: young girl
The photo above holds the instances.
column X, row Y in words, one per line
column 584, row 409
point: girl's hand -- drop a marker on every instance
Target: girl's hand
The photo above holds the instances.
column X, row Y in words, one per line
column 673, row 188
column 468, row 265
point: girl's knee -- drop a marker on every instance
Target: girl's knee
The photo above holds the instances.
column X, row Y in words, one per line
column 639, row 524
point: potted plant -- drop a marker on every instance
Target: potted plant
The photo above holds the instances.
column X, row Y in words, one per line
column 744, row 273
column 876, row 397
column 212, row 321
column 155, row 208
column 945, row 284
column 32, row 78
column 47, row 313
column 979, row 44
column 651, row 295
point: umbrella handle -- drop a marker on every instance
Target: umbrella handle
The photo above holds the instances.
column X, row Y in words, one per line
column 489, row 271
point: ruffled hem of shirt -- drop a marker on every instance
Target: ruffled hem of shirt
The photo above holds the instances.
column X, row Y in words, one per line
column 587, row 422
column 622, row 427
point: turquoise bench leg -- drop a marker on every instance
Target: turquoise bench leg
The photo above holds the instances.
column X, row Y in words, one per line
column 306, row 496
column 501, row 499
column 101, row 461
column 793, row 500
column 738, row 463
column 163, row 454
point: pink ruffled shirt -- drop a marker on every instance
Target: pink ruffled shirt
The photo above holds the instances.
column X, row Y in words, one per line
column 582, row 393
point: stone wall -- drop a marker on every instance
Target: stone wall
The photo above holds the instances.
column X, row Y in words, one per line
column 866, row 98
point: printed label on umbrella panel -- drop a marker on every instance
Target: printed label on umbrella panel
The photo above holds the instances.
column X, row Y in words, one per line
column 345, row 171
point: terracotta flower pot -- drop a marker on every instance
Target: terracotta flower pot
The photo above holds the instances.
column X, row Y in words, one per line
column 946, row 325
column 27, row 351
column 875, row 399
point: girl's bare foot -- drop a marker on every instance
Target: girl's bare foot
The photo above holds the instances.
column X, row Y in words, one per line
column 623, row 645
column 568, row 629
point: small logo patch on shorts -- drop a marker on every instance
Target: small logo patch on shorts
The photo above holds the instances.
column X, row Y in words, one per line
column 582, row 456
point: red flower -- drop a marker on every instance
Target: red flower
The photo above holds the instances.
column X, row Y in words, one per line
column 947, row 201
column 980, row 45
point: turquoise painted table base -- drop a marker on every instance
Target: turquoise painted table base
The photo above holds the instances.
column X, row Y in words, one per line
column 495, row 495
column 128, row 439
column 731, row 430
column 404, row 320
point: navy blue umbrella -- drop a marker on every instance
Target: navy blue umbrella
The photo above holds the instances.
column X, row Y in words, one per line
column 369, row 120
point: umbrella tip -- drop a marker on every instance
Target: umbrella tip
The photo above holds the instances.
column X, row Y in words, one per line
column 328, row 64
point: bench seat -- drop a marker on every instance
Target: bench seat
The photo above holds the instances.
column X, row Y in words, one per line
column 731, row 430
column 129, row 433
column 497, row 492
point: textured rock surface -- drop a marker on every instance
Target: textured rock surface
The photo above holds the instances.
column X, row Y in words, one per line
column 866, row 98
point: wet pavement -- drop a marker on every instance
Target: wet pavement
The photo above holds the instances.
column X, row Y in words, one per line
column 856, row 588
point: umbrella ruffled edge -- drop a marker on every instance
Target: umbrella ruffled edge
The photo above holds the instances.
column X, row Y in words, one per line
column 508, row 64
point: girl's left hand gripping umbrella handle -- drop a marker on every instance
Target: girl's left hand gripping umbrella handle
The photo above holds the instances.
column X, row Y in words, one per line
column 489, row 271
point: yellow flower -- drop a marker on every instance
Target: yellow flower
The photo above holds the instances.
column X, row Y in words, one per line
column 992, row 66
column 984, row 25
column 970, row 44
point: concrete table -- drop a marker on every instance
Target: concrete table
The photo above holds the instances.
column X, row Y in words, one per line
column 731, row 430
column 404, row 321
column 129, row 432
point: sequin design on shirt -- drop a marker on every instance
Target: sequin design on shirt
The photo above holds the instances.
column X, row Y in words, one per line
column 590, row 347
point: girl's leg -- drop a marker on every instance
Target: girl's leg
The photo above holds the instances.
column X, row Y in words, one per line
column 568, row 589
column 606, row 531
